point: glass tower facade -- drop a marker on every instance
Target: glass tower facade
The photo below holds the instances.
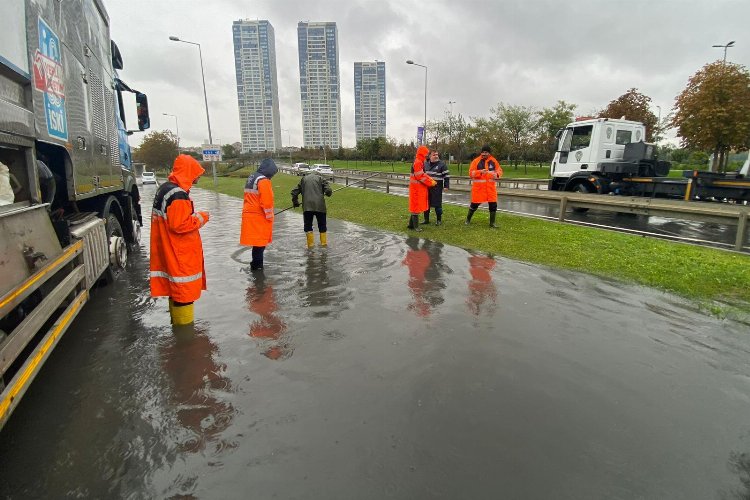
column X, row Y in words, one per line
column 319, row 84
column 369, row 99
column 257, row 85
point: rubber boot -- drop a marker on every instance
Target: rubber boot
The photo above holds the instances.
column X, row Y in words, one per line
column 181, row 315
column 324, row 239
column 439, row 221
column 492, row 220
column 411, row 223
column 469, row 216
column 310, row 239
column 426, row 217
column 415, row 223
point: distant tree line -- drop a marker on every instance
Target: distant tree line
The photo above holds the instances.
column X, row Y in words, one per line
column 711, row 116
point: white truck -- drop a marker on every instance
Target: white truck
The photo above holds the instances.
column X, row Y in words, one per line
column 608, row 156
column 69, row 203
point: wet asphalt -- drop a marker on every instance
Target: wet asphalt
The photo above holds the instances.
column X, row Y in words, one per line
column 384, row 367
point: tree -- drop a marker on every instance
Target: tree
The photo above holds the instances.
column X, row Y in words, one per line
column 229, row 151
column 713, row 112
column 633, row 106
column 549, row 121
column 519, row 123
column 158, row 150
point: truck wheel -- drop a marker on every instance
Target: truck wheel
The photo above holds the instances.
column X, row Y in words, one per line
column 581, row 188
column 118, row 249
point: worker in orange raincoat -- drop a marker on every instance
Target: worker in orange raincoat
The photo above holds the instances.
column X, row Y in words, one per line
column 483, row 171
column 257, row 212
column 419, row 184
column 177, row 269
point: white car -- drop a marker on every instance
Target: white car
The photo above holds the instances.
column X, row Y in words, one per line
column 322, row 168
column 302, row 168
column 148, row 178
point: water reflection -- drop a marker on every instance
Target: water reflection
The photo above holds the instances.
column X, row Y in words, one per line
column 426, row 282
column 324, row 289
column 197, row 379
column 482, row 291
column 268, row 327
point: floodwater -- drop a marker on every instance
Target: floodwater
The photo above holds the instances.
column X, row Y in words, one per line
column 384, row 367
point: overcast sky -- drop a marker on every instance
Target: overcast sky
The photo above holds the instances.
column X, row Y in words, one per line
column 478, row 53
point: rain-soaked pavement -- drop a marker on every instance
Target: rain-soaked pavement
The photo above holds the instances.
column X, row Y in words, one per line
column 384, row 367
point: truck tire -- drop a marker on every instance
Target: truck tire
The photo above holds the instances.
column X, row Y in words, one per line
column 581, row 188
column 118, row 249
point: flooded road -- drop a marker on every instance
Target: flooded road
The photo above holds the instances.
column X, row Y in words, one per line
column 384, row 367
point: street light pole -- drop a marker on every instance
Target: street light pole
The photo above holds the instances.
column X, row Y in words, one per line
column 177, row 127
column 424, row 128
column 205, row 97
column 725, row 47
column 288, row 144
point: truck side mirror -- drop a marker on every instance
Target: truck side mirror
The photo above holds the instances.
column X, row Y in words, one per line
column 144, row 122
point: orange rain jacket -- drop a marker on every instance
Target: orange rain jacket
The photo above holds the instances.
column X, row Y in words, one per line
column 177, row 269
column 257, row 209
column 483, row 174
column 419, row 183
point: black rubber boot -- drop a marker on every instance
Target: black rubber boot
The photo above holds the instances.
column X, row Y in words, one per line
column 492, row 220
column 411, row 222
column 426, row 217
column 469, row 216
column 415, row 223
column 439, row 221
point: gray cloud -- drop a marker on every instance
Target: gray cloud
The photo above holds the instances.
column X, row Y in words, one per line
column 479, row 53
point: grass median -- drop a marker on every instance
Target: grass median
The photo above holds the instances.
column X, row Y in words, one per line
column 719, row 281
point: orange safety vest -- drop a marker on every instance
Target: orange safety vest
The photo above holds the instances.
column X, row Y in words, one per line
column 419, row 182
column 257, row 212
column 483, row 185
column 176, row 262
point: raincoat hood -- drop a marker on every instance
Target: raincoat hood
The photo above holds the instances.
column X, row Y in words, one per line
column 185, row 170
column 268, row 168
column 422, row 153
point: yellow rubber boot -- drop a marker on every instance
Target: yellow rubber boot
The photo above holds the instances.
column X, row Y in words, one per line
column 181, row 315
column 310, row 239
column 324, row 239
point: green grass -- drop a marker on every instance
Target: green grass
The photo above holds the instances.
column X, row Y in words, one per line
column 718, row 280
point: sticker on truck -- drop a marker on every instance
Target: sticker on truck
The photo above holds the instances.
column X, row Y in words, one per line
column 48, row 79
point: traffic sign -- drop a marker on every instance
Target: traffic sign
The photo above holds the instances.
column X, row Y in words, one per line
column 212, row 153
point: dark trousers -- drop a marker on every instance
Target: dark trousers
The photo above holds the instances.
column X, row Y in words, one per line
column 308, row 219
column 491, row 204
column 257, row 261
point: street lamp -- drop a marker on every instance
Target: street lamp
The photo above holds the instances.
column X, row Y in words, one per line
column 424, row 129
column 725, row 47
column 288, row 144
column 205, row 98
column 177, row 127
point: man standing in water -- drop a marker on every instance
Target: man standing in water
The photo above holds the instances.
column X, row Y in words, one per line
column 257, row 212
column 312, row 187
column 176, row 262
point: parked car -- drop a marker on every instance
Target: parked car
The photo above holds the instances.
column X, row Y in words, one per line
column 148, row 178
column 322, row 168
column 302, row 168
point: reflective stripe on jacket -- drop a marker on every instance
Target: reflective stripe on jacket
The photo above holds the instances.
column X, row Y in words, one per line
column 176, row 262
column 257, row 212
column 483, row 174
column 438, row 171
column 419, row 182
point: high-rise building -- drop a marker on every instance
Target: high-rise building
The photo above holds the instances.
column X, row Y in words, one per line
column 369, row 99
column 257, row 86
column 319, row 84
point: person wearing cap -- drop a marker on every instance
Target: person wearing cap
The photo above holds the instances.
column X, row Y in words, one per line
column 484, row 171
column 257, row 212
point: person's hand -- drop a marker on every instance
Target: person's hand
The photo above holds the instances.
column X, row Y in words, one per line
column 295, row 203
column 205, row 217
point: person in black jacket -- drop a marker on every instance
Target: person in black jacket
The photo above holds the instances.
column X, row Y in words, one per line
column 436, row 168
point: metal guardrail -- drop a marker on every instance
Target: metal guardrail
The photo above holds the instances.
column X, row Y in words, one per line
column 721, row 213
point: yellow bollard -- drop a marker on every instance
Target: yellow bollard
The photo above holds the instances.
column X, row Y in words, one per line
column 324, row 239
column 181, row 315
column 310, row 239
